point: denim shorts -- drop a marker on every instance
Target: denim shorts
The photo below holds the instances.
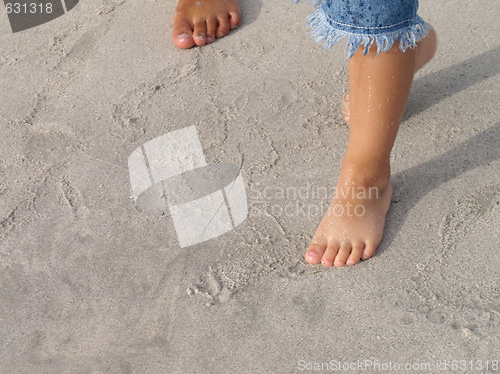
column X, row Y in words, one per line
column 365, row 22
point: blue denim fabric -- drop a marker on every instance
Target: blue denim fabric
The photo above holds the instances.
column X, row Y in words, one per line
column 366, row 22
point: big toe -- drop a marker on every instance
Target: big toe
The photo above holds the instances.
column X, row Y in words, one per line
column 183, row 36
column 314, row 253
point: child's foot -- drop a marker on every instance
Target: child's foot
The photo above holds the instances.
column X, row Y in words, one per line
column 425, row 51
column 353, row 226
column 199, row 22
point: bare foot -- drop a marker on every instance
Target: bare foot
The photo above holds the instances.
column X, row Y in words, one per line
column 425, row 51
column 199, row 22
column 353, row 226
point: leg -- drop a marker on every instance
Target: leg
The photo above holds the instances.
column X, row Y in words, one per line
column 379, row 88
column 199, row 22
column 425, row 51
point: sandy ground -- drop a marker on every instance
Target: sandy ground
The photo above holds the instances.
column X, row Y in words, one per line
column 91, row 285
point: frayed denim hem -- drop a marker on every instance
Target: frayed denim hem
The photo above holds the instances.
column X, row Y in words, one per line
column 323, row 30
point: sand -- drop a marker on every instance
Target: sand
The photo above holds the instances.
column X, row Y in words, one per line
column 90, row 284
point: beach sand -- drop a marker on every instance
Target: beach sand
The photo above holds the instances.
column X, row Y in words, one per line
column 89, row 284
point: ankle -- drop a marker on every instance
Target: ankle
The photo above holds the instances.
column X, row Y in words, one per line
column 365, row 176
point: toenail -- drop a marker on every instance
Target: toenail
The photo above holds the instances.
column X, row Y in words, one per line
column 313, row 255
column 182, row 36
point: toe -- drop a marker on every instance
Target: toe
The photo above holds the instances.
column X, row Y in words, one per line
column 356, row 253
column 234, row 20
column 330, row 254
column 182, row 35
column 315, row 251
column 343, row 254
column 211, row 29
column 369, row 250
column 200, row 33
column 314, row 254
column 223, row 28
